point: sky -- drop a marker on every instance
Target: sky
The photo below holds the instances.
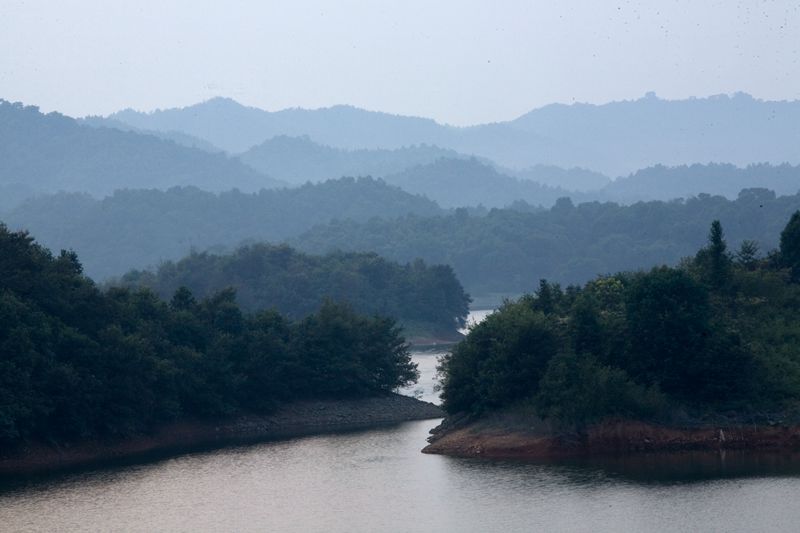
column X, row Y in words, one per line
column 460, row 62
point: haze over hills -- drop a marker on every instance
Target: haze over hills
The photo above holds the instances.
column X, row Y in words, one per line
column 236, row 128
column 663, row 183
column 469, row 182
column 296, row 284
column 134, row 229
column 178, row 137
column 47, row 153
column 299, row 159
column 508, row 251
column 617, row 138
column 572, row 179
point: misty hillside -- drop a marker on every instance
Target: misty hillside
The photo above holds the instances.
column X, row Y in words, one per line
column 296, row 284
column 178, row 137
column 299, row 159
column 508, row 251
column 48, row 153
column 468, row 182
column 664, row 183
column 617, row 138
column 140, row 228
column 573, row 179
column 634, row 134
column 237, row 128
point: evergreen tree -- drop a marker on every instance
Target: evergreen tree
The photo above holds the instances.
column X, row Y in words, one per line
column 790, row 245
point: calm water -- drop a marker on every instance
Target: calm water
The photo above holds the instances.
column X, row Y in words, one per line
column 378, row 481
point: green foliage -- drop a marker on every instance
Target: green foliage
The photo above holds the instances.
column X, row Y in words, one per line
column 709, row 336
column 507, row 251
column 502, row 359
column 278, row 277
column 580, row 390
column 76, row 362
column 141, row 228
column 790, row 245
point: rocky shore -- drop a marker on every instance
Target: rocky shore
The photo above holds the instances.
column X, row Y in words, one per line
column 510, row 437
column 294, row 420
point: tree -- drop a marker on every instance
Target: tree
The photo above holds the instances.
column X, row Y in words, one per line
column 714, row 260
column 668, row 315
column 790, row 245
column 747, row 254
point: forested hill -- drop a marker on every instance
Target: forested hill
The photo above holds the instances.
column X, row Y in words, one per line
column 299, row 159
column 716, row 336
column 140, row 228
column 508, row 251
column 427, row 300
column 79, row 363
column 616, row 138
column 469, row 182
column 50, row 153
column 664, row 183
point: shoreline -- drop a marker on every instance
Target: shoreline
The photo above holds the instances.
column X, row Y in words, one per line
column 505, row 438
column 293, row 420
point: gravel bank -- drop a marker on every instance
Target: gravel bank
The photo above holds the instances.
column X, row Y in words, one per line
column 293, row 420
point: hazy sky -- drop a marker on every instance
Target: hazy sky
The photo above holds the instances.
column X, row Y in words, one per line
column 458, row 61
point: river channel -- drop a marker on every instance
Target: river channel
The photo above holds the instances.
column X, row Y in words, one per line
column 377, row 480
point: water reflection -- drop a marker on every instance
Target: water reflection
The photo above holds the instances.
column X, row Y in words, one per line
column 378, row 481
column 369, row 481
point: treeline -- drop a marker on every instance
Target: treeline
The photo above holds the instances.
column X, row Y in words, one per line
column 77, row 363
column 508, row 250
column 716, row 335
column 140, row 228
column 661, row 182
column 423, row 298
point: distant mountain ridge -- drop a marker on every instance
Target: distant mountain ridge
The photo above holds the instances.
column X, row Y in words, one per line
column 615, row 139
column 236, row 128
column 52, row 152
column 178, row 137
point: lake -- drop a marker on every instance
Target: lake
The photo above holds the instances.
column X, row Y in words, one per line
column 377, row 480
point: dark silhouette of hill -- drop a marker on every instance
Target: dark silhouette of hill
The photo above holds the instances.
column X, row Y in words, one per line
column 299, row 159
column 615, row 138
column 140, row 228
column 51, row 152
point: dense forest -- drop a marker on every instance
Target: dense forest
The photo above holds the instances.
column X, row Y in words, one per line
column 508, row 250
column 717, row 334
column 51, row 153
column 140, row 228
column 426, row 300
column 77, row 362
